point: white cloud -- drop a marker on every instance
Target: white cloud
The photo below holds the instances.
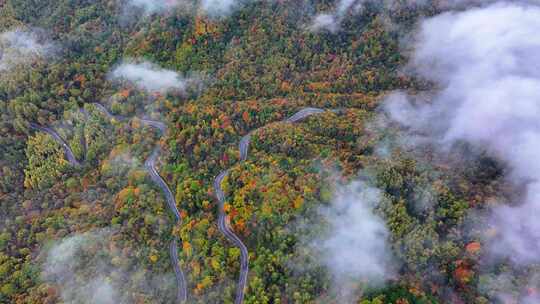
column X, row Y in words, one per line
column 214, row 8
column 155, row 6
column 150, row 77
column 19, row 47
column 487, row 63
column 355, row 247
column 324, row 21
column 218, row 7
column 93, row 267
column 331, row 21
column 67, row 260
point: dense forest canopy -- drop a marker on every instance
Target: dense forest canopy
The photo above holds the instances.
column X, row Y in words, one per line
column 269, row 151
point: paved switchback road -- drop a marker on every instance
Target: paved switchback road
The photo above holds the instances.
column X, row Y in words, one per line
column 150, row 165
column 67, row 149
column 224, row 227
column 223, row 220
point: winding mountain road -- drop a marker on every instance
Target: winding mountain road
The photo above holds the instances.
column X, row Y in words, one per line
column 243, row 146
column 67, row 149
column 304, row 113
column 83, row 137
column 154, row 123
column 181, row 289
column 150, row 165
column 223, row 219
column 224, row 227
column 106, row 112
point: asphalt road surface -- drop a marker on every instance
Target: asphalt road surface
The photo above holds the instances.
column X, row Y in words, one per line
column 223, row 220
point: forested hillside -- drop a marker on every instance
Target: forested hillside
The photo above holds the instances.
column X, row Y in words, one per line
column 107, row 105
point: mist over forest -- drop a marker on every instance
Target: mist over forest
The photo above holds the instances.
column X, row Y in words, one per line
column 270, row 151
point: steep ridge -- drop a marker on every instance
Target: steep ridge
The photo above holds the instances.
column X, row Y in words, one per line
column 224, row 221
